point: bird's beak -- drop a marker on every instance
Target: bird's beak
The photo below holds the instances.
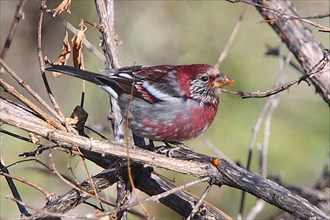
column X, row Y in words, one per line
column 222, row 81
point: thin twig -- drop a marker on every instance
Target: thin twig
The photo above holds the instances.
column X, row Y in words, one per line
column 226, row 173
column 156, row 198
column 285, row 17
column 52, row 214
column 274, row 51
column 30, row 90
column 265, row 114
column 88, row 45
column 252, row 3
column 212, row 148
column 54, row 170
column 22, row 180
column 318, row 69
column 15, row 135
column 105, row 10
column 95, row 131
column 230, row 40
column 58, row 113
column 271, row 105
column 10, row 89
column 19, row 15
column 257, row 208
column 199, row 203
column 4, row 171
column 300, row 41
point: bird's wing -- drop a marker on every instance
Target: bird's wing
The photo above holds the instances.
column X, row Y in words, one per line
column 153, row 84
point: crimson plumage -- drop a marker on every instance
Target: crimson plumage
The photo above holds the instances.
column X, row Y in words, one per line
column 163, row 103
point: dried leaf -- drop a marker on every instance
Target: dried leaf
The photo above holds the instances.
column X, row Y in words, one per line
column 64, row 55
column 64, row 6
column 34, row 138
column 77, row 43
column 78, row 118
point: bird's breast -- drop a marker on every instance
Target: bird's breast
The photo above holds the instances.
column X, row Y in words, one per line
column 179, row 126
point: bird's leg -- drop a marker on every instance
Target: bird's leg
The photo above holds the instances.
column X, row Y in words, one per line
column 151, row 143
column 178, row 145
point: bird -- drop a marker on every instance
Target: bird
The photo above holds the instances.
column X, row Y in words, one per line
column 168, row 103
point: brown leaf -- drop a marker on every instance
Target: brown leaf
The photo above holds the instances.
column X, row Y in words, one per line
column 65, row 53
column 77, row 43
column 34, row 138
column 78, row 118
column 64, row 6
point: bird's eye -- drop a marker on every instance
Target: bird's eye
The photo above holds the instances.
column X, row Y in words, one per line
column 204, row 78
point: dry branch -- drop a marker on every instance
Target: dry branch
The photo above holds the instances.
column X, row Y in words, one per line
column 299, row 39
column 107, row 154
column 183, row 161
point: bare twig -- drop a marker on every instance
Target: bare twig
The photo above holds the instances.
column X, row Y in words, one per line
column 58, row 114
column 226, row 173
column 284, row 18
column 15, row 135
column 24, row 181
column 257, row 208
column 9, row 88
column 317, row 70
column 88, row 45
column 109, row 47
column 300, row 41
column 200, row 202
column 266, row 115
column 271, row 104
column 53, row 215
column 230, row 40
column 105, row 10
column 213, row 148
column 19, row 15
column 274, row 51
column 4, row 171
column 298, row 38
column 156, row 198
column 90, row 193
column 30, row 90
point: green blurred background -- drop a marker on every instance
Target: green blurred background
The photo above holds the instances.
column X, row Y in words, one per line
column 175, row 32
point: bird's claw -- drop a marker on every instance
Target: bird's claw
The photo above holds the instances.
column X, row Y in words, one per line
column 173, row 151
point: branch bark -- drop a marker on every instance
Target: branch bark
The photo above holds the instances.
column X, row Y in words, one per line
column 299, row 39
column 183, row 161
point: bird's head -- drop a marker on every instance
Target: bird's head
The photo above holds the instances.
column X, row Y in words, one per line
column 205, row 83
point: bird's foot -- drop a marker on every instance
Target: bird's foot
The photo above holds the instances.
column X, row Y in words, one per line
column 173, row 151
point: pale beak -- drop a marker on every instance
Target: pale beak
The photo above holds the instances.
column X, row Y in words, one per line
column 222, row 81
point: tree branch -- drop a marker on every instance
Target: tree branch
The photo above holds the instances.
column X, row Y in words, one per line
column 299, row 39
column 183, row 161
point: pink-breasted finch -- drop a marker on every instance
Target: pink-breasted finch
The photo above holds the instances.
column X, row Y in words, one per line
column 163, row 103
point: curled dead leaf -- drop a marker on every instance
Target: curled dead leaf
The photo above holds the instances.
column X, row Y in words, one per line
column 34, row 138
column 77, row 43
column 64, row 6
column 71, row 121
column 65, row 53
column 78, row 118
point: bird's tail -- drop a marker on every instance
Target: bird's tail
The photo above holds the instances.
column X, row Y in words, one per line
column 79, row 73
column 105, row 82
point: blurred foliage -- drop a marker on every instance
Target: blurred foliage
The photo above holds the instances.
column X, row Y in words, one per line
column 176, row 32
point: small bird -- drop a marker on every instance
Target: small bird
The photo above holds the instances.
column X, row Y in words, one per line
column 169, row 103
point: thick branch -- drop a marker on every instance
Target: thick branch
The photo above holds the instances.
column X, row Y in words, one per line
column 189, row 163
column 299, row 39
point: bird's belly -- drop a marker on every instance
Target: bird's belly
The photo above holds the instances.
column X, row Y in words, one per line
column 175, row 126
